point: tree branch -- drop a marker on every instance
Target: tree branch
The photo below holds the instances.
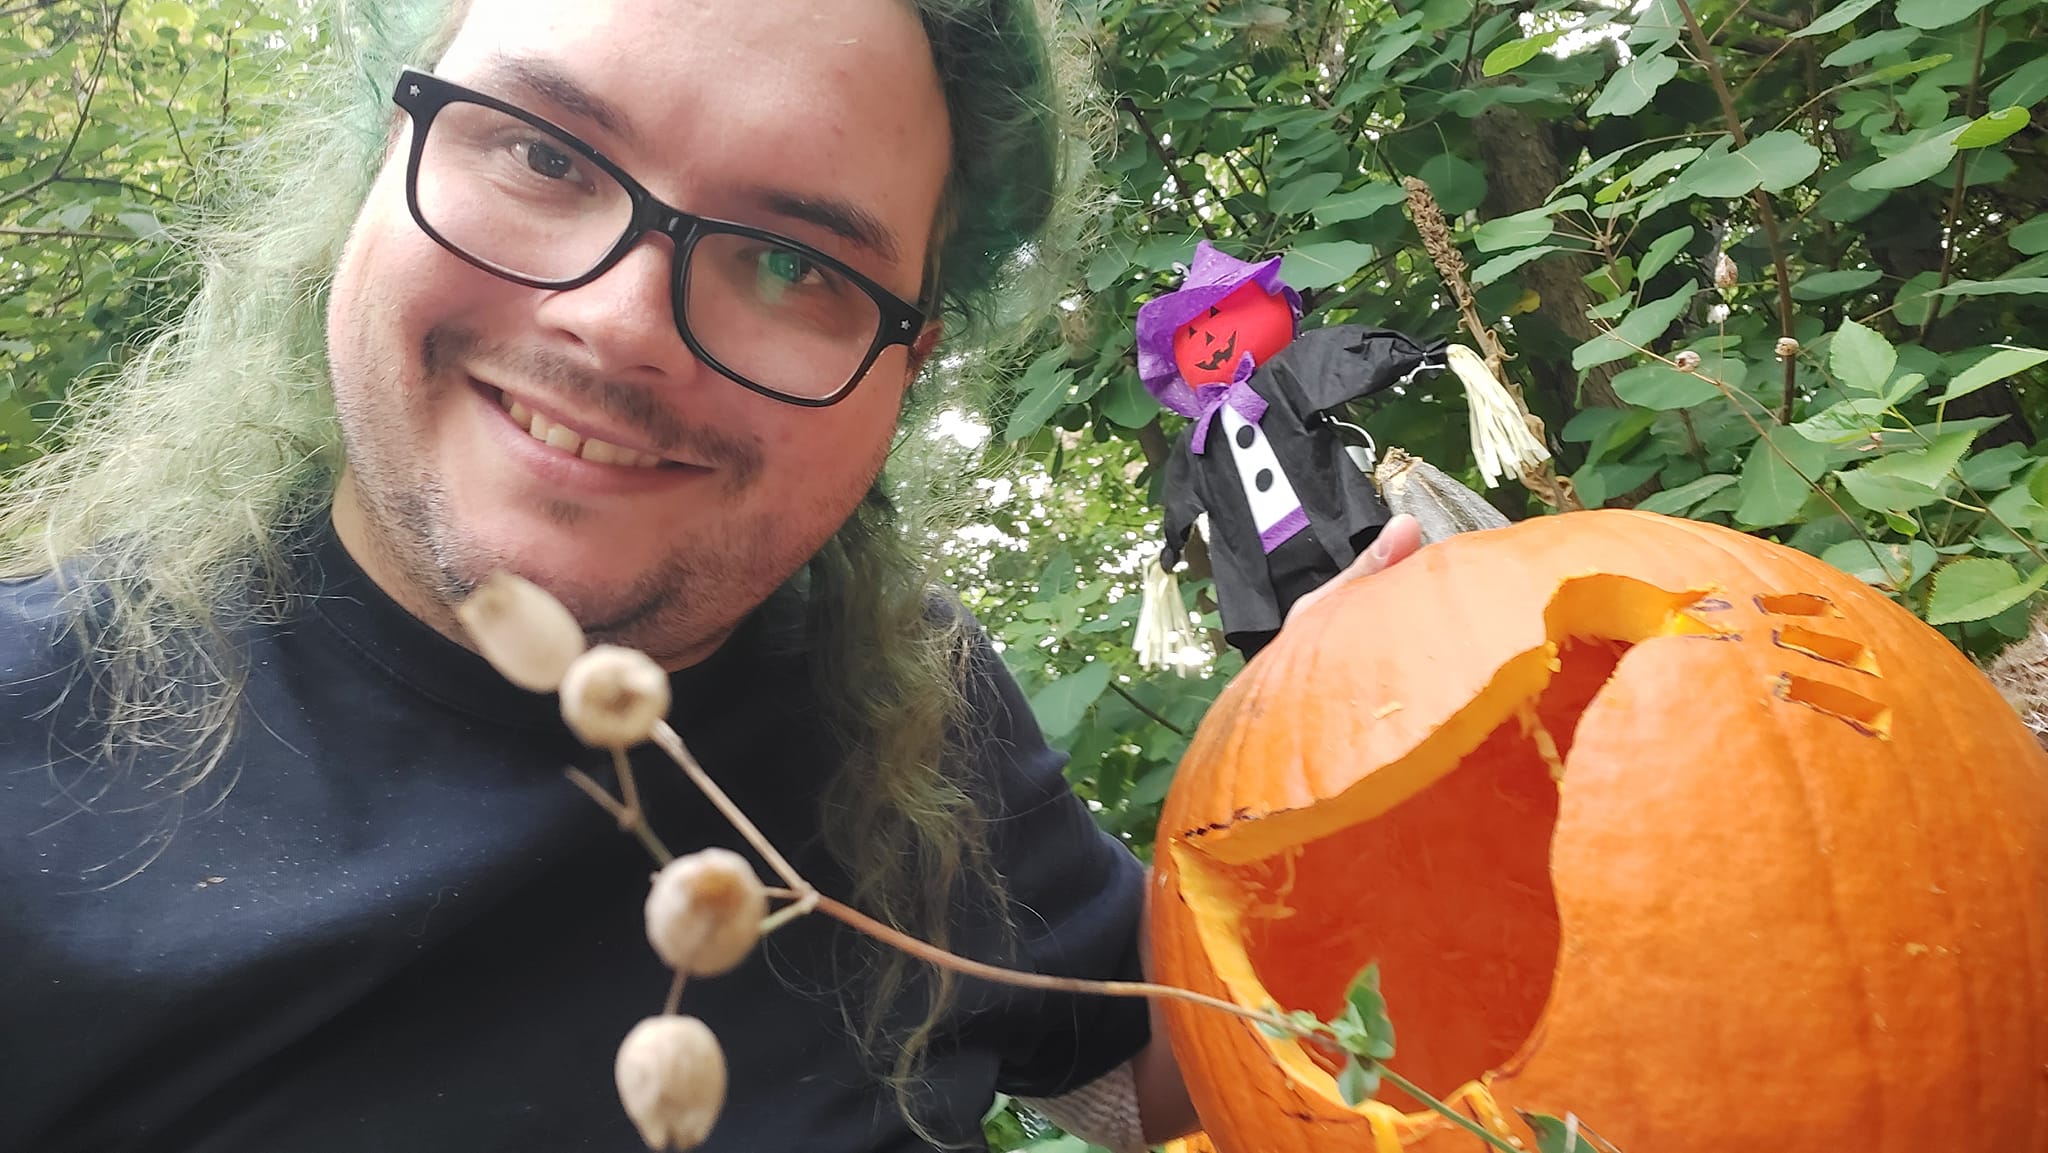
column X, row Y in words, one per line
column 1955, row 198
column 1766, row 214
column 70, row 233
column 92, row 87
column 1142, row 707
column 1167, row 158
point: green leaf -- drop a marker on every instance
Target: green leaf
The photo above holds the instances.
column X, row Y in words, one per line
column 1356, row 1083
column 1662, row 250
column 2018, row 284
column 1061, row 705
column 1930, row 466
column 1660, row 386
column 1500, row 266
column 1364, row 1000
column 2031, row 238
column 1633, row 85
column 1911, row 164
column 1045, row 386
column 1883, row 564
column 1860, row 358
column 2037, row 486
column 1777, row 478
column 1126, row 403
column 1845, row 421
column 1359, row 202
column 1992, row 127
column 1523, row 228
column 1516, row 53
column 1835, row 18
column 1822, row 285
column 2000, row 364
column 1324, row 264
column 2024, row 87
column 1937, row 13
column 1676, row 501
column 1303, row 193
column 1635, row 331
column 1555, row 1136
column 1457, row 183
column 1973, row 588
column 1773, row 161
column 1871, row 46
column 1885, row 493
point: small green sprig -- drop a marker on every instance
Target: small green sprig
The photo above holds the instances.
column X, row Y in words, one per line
column 1365, row 1034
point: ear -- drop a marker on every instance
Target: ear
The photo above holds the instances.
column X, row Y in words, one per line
column 922, row 348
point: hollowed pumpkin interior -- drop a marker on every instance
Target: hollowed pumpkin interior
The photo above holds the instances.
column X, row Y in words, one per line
column 1447, row 888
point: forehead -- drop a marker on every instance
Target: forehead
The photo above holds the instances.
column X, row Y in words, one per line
column 804, row 97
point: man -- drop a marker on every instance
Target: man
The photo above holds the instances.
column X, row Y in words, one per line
column 630, row 307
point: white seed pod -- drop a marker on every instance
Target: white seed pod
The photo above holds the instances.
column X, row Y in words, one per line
column 671, row 1077
column 526, row 634
column 1725, row 272
column 612, row 696
column 704, row 912
column 1686, row 360
column 1787, row 348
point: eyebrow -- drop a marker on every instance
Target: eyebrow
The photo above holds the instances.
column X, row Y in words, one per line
column 841, row 218
column 544, row 80
column 848, row 221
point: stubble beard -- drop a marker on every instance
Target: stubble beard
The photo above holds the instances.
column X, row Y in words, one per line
column 691, row 599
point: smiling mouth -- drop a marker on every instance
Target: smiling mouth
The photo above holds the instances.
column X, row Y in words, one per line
column 562, row 437
column 1222, row 356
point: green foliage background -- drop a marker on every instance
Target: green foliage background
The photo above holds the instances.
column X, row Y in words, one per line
column 1871, row 171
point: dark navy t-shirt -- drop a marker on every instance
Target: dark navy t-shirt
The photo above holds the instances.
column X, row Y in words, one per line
column 386, row 922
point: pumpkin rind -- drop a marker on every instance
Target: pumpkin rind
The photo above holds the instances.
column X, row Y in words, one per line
column 1800, row 856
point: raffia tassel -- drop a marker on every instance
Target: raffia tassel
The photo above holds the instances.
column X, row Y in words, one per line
column 2021, row 673
column 1162, row 622
column 1501, row 440
column 1444, row 506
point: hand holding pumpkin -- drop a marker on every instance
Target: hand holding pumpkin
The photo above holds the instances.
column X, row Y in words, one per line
column 1398, row 540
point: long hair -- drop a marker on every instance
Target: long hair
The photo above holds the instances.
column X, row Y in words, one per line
column 184, row 476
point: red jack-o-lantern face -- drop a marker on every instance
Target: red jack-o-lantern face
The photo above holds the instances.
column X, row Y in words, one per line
column 1207, row 348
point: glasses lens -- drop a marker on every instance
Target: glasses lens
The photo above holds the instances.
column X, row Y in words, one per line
column 517, row 197
column 783, row 319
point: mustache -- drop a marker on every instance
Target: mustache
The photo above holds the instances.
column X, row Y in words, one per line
column 631, row 403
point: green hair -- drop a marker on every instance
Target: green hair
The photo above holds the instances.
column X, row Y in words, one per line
column 186, row 474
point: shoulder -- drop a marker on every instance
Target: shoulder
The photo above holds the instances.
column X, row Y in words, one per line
column 38, row 649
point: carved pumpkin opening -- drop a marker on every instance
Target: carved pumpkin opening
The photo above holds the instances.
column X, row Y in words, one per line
column 1461, row 865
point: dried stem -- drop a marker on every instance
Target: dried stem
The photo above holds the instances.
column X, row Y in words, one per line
column 1464, row 1122
column 962, row 965
column 1542, row 480
column 672, row 744
column 675, row 995
column 631, row 820
column 1766, row 214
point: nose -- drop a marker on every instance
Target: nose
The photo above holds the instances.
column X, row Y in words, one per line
column 625, row 319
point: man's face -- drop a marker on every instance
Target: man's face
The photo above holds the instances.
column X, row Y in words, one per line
column 732, row 109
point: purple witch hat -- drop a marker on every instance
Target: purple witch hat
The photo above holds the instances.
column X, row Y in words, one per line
column 1213, row 276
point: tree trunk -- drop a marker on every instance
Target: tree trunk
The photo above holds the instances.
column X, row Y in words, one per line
column 1522, row 169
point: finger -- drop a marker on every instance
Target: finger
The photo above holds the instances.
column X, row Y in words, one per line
column 1398, row 540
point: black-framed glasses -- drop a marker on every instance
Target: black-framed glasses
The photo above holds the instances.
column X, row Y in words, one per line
column 523, row 199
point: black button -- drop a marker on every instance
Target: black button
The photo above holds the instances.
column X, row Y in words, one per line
column 1264, row 480
column 1246, row 434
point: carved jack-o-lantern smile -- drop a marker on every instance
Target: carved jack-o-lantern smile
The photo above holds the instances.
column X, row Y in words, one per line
column 1207, row 348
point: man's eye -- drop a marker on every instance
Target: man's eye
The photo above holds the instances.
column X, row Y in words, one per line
column 785, row 267
column 546, row 159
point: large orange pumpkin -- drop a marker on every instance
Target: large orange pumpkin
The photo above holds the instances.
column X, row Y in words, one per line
column 1644, row 820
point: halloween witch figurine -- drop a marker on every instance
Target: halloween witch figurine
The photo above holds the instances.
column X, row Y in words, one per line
column 1288, row 506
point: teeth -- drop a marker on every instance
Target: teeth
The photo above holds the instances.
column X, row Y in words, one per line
column 559, row 436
